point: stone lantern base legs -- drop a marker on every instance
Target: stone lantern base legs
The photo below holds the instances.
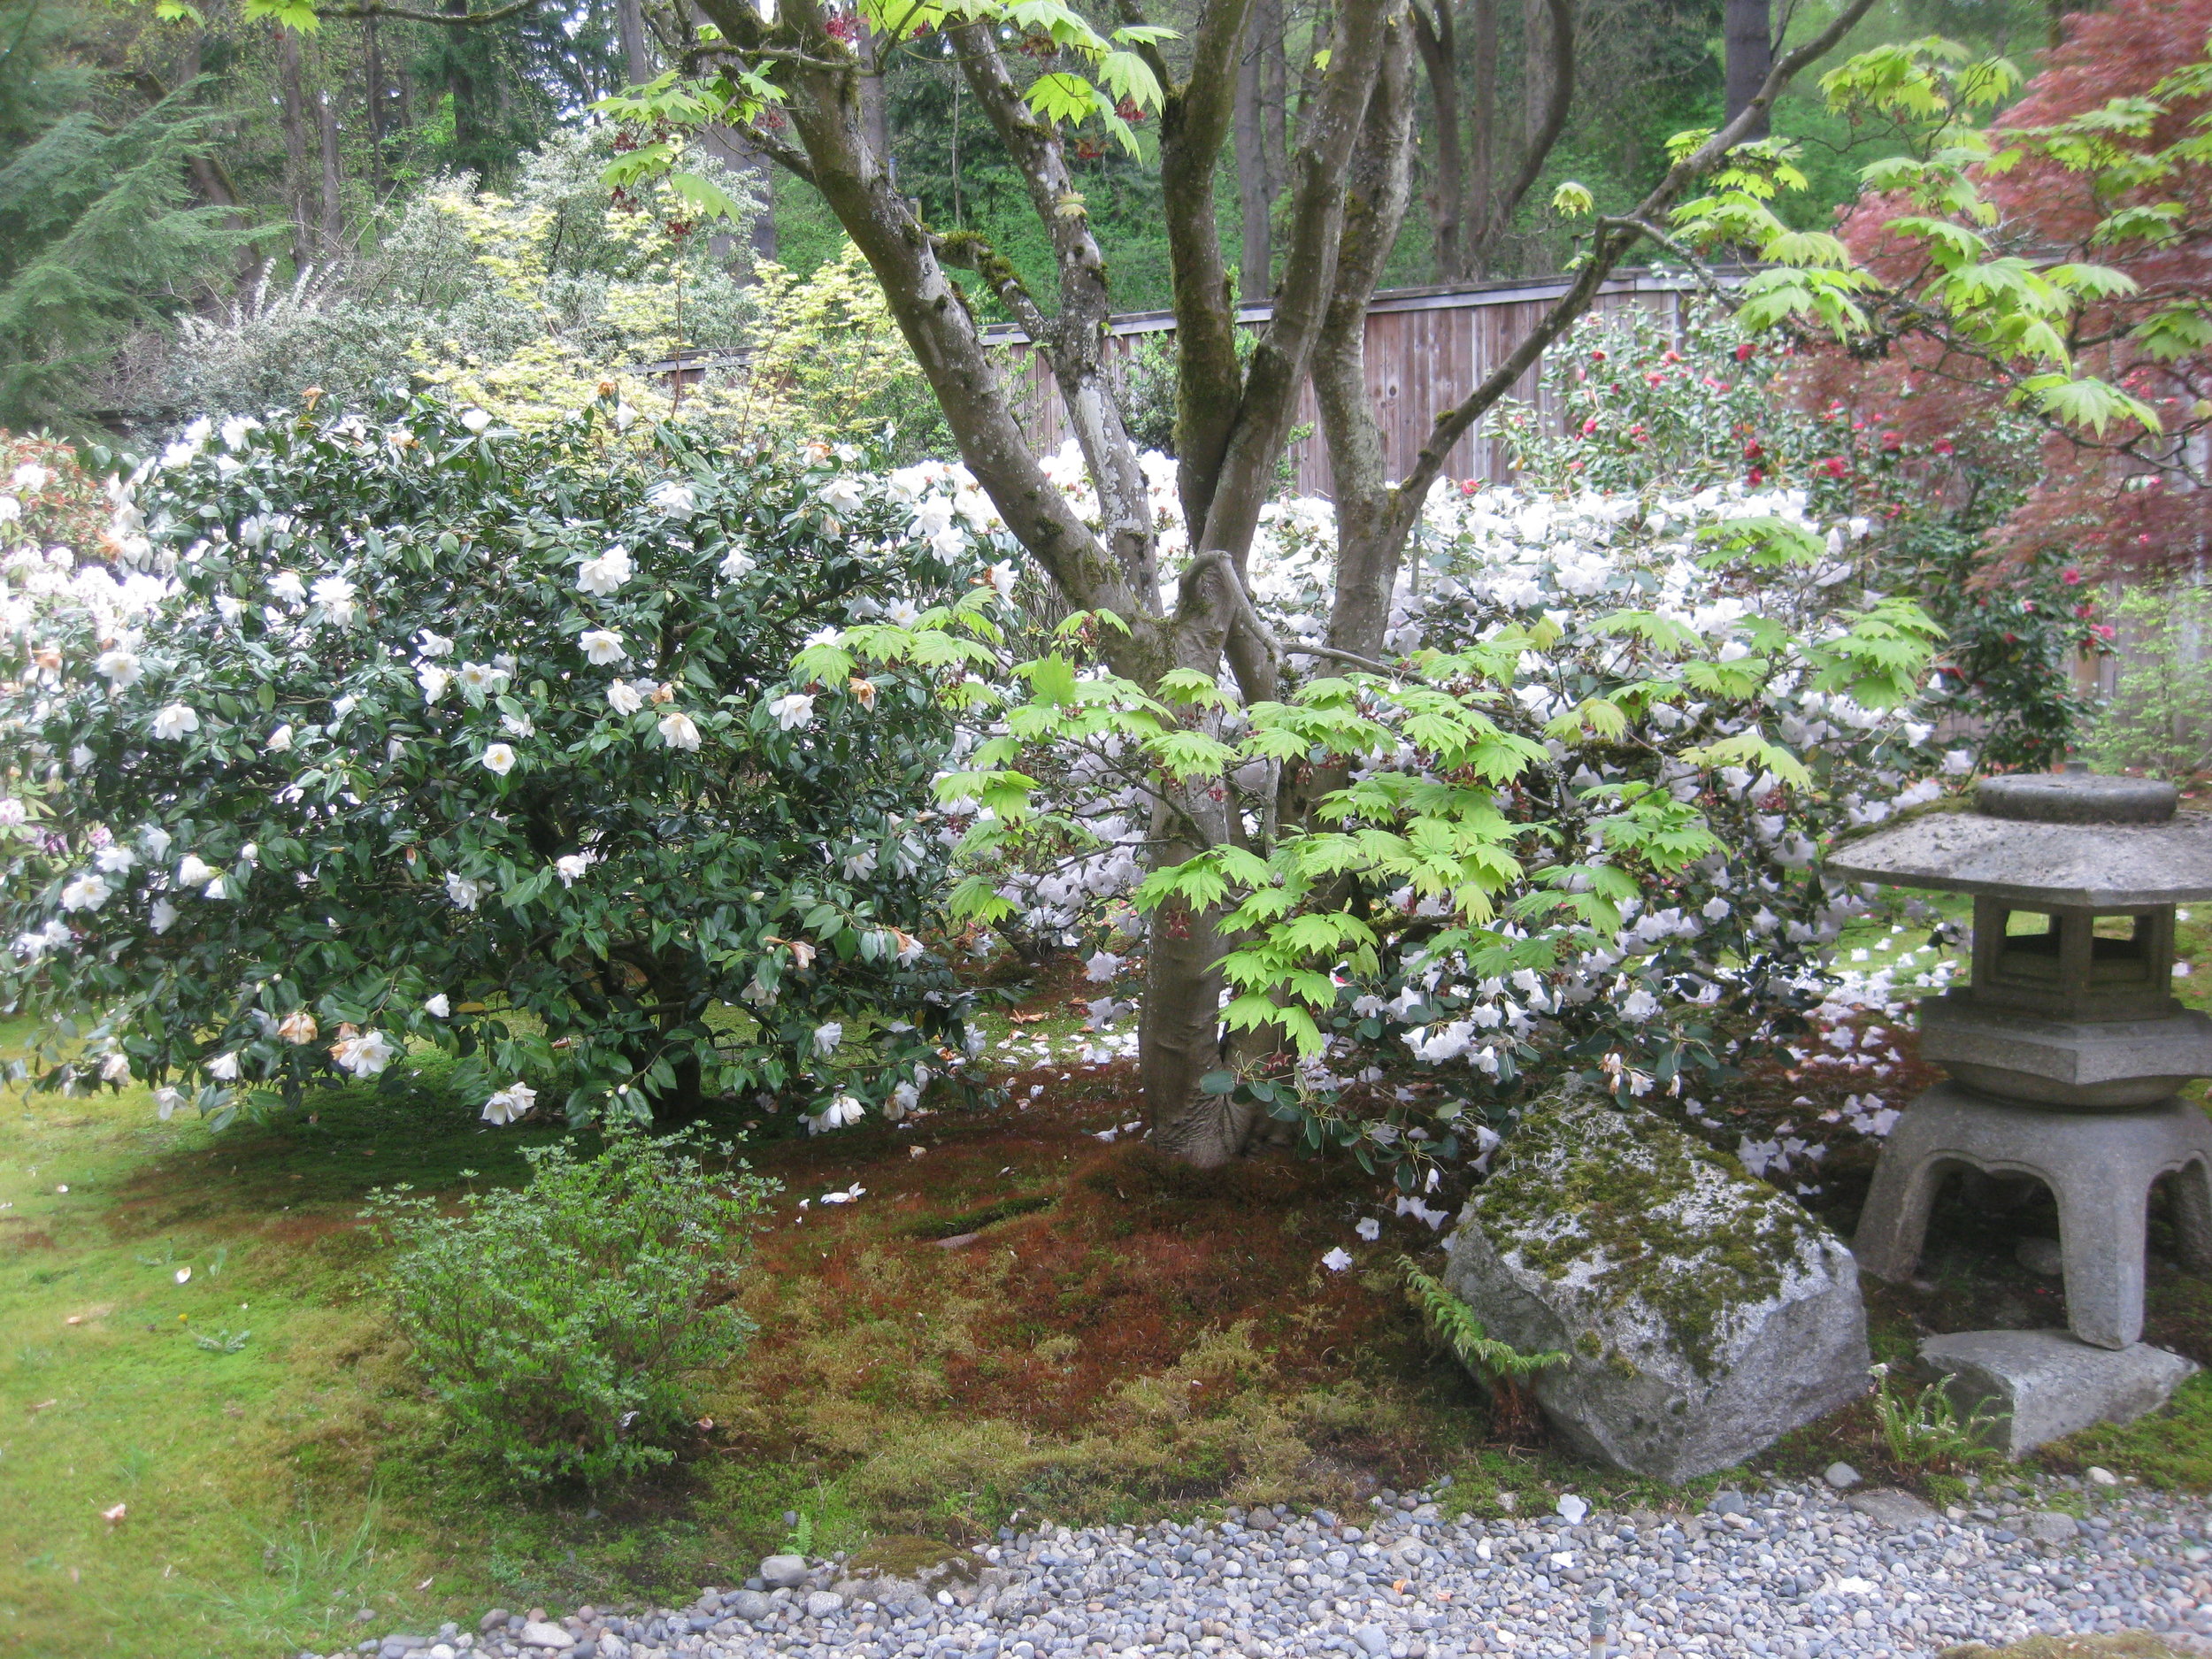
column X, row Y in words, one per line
column 2099, row 1165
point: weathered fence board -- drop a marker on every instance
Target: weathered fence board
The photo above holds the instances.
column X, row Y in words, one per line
column 1426, row 348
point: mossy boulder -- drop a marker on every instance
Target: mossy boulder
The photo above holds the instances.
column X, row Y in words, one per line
column 1703, row 1314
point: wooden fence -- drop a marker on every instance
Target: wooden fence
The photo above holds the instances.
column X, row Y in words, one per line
column 1426, row 348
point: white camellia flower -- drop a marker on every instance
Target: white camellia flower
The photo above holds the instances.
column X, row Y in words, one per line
column 737, row 563
column 1369, row 1229
column 464, row 893
column 1003, row 578
column 678, row 500
column 1101, row 966
column 499, row 760
column 174, row 722
column 515, row 1101
column 842, row 1110
column 279, row 740
column 604, row 575
column 287, row 586
column 433, row 681
column 87, row 891
column 156, row 842
column 364, row 1053
column 905, row 612
column 163, row 916
column 601, row 646
column 439, row 1007
column 298, row 1027
column 120, row 666
column 571, row 867
column 237, row 430
column 476, row 419
column 479, row 681
column 215, row 889
column 195, row 871
column 224, row 1068
column 335, row 595
column 625, row 698
column 843, row 495
column 165, row 1103
column 1337, row 1260
column 116, row 1068
column 828, row 1035
column 114, row 860
column 792, row 712
column 518, row 726
column 678, row 732
column 431, row 644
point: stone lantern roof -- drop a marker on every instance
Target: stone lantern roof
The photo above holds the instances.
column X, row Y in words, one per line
column 2071, row 839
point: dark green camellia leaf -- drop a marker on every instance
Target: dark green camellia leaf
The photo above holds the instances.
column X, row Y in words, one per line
column 413, row 803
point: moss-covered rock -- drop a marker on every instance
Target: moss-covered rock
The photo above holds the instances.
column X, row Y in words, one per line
column 1703, row 1313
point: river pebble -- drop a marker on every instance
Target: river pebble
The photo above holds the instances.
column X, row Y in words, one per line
column 1775, row 1572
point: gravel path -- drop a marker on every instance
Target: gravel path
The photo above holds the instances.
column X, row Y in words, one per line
column 1784, row 1571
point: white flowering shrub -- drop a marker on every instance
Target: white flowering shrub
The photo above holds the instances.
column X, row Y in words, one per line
column 1576, row 825
column 438, row 735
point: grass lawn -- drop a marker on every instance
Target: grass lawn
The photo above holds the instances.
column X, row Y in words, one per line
column 1019, row 1315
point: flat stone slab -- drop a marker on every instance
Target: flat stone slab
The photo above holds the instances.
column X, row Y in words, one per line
column 1701, row 1313
column 2042, row 1385
column 1891, row 1507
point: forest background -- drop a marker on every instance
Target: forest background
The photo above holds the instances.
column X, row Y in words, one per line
column 206, row 212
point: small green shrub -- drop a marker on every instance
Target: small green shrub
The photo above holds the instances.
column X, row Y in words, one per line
column 557, row 1321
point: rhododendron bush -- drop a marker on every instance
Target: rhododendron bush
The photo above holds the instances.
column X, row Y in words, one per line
column 1575, row 823
column 441, row 735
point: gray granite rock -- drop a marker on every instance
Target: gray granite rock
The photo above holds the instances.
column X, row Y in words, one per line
column 2053, row 1526
column 1702, row 1314
column 780, row 1573
column 2039, row 1385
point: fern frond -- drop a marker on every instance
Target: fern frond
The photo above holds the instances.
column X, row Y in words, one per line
column 1452, row 1324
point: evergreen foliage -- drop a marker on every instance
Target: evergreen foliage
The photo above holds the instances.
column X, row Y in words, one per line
column 98, row 234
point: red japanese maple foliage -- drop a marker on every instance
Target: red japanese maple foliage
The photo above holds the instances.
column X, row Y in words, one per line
column 2106, row 160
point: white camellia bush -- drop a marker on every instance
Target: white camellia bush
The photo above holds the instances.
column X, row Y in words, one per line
column 435, row 734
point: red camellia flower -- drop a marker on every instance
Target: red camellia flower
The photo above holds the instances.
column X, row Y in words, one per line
column 1943, row 446
column 1743, row 352
column 1833, row 467
column 1589, row 426
column 2104, row 631
column 1756, row 475
column 2070, row 576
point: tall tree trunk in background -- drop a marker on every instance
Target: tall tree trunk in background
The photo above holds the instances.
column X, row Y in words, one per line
column 468, row 93
column 637, row 49
column 1482, row 134
column 1750, row 36
column 292, row 120
column 1436, row 32
column 372, row 76
column 1257, row 170
column 334, row 214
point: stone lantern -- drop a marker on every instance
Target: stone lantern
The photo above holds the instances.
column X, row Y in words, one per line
column 2065, row 1051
